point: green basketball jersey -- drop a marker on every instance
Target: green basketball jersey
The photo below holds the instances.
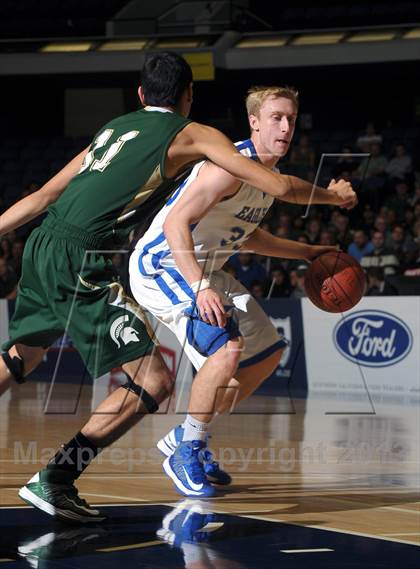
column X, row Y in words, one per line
column 121, row 183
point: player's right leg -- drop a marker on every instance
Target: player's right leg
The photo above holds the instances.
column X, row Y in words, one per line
column 17, row 363
column 53, row 489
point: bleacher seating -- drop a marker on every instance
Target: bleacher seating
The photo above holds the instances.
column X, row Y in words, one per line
column 23, row 160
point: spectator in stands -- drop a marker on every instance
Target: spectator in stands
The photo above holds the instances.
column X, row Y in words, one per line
column 293, row 279
column 373, row 166
column 313, row 229
column 303, row 238
column 369, row 137
column 346, row 163
column 401, row 165
column 360, row 245
column 391, row 217
column 247, row 269
column 298, row 226
column 279, row 285
column 399, row 200
column 382, row 226
column 377, row 286
column 380, row 256
column 257, row 289
column 334, row 216
column 409, row 219
column 303, row 157
column 283, row 232
column 285, row 220
column 340, row 226
column 403, row 245
column 368, row 218
column 8, row 280
column 326, row 238
column 299, row 288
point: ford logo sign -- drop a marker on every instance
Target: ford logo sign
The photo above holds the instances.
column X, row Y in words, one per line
column 373, row 338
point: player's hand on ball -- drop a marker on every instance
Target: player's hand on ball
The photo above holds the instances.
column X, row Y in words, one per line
column 346, row 196
column 211, row 308
column 315, row 251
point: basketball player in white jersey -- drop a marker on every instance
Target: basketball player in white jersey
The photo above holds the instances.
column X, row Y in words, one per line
column 175, row 273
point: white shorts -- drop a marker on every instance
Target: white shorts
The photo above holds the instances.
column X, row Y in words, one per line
column 199, row 339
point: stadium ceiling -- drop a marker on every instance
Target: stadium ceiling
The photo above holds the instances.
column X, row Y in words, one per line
column 228, row 50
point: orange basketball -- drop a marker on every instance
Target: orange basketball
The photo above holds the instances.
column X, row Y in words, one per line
column 335, row 282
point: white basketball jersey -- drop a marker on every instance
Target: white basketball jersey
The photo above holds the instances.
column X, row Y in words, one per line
column 216, row 237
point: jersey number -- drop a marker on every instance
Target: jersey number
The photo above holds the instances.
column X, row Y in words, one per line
column 101, row 163
column 237, row 233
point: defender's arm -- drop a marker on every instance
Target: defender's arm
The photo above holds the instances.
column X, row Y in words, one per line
column 33, row 205
column 197, row 140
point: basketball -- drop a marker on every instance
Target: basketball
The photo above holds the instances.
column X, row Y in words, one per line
column 335, row 282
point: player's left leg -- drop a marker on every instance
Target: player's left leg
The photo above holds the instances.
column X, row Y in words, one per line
column 258, row 359
column 247, row 379
column 189, row 466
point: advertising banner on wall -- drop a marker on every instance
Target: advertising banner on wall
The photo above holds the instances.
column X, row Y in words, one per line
column 369, row 353
column 372, row 349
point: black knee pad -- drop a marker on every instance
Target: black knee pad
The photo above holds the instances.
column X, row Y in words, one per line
column 148, row 401
column 15, row 366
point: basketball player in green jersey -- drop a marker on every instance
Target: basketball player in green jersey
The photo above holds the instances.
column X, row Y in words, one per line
column 67, row 284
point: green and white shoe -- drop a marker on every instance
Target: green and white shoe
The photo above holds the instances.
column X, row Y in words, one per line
column 50, row 492
column 56, row 545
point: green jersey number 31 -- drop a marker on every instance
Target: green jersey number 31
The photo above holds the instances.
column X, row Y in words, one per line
column 101, row 163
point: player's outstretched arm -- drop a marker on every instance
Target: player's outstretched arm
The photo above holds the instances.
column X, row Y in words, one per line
column 264, row 243
column 211, row 186
column 33, row 205
column 339, row 193
column 197, row 140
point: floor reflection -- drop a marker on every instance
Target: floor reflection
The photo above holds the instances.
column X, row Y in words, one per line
column 188, row 535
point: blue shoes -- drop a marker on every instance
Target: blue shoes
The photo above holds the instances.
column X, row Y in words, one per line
column 189, row 522
column 185, row 468
column 214, row 474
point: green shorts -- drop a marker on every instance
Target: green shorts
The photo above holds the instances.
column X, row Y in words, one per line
column 67, row 286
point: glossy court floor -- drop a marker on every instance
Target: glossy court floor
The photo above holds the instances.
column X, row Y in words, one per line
column 318, row 482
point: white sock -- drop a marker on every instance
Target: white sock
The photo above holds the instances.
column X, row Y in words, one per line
column 194, row 554
column 194, row 430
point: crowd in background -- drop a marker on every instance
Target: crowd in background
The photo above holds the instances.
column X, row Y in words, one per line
column 382, row 233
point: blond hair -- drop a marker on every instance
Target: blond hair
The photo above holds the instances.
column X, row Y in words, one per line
column 257, row 95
